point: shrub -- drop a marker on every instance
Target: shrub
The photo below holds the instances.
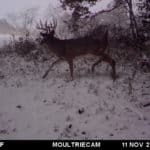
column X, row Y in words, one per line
column 24, row 46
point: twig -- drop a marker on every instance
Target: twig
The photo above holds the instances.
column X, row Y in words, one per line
column 146, row 105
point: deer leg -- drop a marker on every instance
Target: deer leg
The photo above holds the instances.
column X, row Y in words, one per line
column 112, row 62
column 55, row 62
column 95, row 64
column 70, row 62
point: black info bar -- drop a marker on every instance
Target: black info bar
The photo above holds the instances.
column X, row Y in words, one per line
column 76, row 144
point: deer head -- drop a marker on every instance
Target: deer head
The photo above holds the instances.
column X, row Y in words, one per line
column 47, row 31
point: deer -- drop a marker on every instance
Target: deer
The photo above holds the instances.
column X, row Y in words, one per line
column 69, row 49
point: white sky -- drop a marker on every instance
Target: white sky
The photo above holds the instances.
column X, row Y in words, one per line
column 9, row 6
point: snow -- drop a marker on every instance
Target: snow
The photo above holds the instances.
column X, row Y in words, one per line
column 4, row 38
column 103, row 5
column 89, row 107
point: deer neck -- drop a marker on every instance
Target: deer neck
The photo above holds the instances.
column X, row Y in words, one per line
column 54, row 45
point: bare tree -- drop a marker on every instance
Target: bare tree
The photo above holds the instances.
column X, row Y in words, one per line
column 23, row 21
column 81, row 12
column 133, row 23
column 28, row 18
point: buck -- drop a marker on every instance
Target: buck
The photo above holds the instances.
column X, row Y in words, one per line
column 69, row 49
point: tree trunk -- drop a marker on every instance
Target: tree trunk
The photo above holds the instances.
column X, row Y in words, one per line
column 133, row 23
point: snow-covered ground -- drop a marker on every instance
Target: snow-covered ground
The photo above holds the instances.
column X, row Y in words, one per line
column 89, row 107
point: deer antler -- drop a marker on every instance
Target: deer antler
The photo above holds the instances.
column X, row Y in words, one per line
column 40, row 26
column 54, row 22
column 48, row 28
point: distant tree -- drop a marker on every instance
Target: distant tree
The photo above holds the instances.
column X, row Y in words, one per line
column 23, row 21
column 13, row 19
column 28, row 18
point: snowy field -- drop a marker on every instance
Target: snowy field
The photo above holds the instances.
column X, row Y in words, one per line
column 91, row 106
